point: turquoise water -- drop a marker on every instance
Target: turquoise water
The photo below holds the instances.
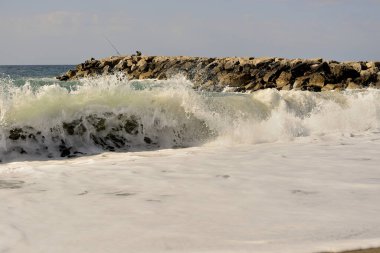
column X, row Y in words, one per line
column 33, row 71
column 34, row 75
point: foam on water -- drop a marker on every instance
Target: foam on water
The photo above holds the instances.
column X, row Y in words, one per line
column 112, row 113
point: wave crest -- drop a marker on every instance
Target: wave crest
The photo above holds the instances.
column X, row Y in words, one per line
column 114, row 114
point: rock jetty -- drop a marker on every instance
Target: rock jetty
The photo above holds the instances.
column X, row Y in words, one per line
column 238, row 74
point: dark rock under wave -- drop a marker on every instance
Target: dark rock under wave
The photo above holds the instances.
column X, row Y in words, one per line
column 239, row 74
column 100, row 132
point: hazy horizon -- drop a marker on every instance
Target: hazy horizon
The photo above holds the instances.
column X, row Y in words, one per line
column 56, row 32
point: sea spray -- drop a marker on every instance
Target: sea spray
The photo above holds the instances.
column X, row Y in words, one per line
column 111, row 113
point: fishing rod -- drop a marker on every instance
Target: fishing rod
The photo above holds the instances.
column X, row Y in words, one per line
column 112, row 45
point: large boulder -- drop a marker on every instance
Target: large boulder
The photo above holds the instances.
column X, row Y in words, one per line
column 329, row 87
column 234, row 80
column 351, row 85
column 71, row 73
column 317, row 80
column 146, row 75
column 142, row 65
column 270, row 76
column 301, row 82
column 300, row 69
column 284, row 79
column 230, row 63
column 344, row 71
column 123, row 64
column 258, row 62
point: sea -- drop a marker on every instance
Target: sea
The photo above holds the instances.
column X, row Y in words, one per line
column 108, row 164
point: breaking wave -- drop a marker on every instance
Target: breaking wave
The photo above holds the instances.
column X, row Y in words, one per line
column 113, row 114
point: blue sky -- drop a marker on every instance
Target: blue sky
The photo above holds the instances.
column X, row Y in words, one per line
column 68, row 32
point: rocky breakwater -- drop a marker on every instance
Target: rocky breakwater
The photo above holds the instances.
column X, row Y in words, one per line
column 238, row 74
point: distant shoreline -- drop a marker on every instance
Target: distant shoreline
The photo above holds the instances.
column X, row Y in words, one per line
column 238, row 74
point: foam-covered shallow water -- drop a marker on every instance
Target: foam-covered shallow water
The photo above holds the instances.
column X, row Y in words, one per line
column 113, row 114
column 303, row 196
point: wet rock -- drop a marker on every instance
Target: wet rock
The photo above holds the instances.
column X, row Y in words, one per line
column 147, row 140
column 376, row 85
column 142, row 65
column 107, row 70
column 287, row 87
column 71, row 73
column 16, row 133
column 146, row 75
column 300, row 69
column 230, row 64
column 131, row 125
column 329, row 87
column 234, row 80
column 65, row 151
column 134, row 67
column 190, row 65
column 97, row 122
column 368, row 76
column 162, row 76
column 258, row 62
column 314, row 61
column 322, row 68
column 317, row 80
column 121, row 65
column 211, row 66
column 63, row 78
column 344, row 71
column 249, row 86
column 74, row 127
column 117, row 141
column 357, row 66
column 283, row 79
column 352, row 85
column 270, row 76
column 214, row 74
column 300, row 82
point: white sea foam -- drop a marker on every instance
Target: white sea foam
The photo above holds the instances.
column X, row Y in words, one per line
column 297, row 197
column 170, row 114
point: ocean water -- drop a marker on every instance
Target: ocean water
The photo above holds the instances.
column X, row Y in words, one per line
column 106, row 164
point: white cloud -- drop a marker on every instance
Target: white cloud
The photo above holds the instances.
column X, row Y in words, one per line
column 63, row 22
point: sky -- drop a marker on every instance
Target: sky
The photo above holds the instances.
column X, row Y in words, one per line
column 71, row 31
